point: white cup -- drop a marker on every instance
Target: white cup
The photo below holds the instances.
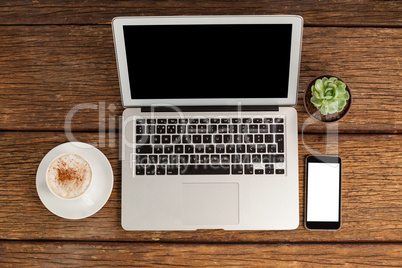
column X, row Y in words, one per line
column 69, row 176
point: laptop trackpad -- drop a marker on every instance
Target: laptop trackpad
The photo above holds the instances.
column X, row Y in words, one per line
column 210, row 203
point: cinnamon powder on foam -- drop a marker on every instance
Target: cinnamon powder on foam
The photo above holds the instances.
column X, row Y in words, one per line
column 66, row 175
column 70, row 178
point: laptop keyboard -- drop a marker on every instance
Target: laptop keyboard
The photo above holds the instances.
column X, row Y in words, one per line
column 210, row 146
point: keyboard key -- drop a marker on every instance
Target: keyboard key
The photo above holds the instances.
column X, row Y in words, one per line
column 258, row 138
column 240, row 148
column 141, row 159
column 189, row 149
column 151, row 129
column 155, row 139
column 172, row 170
column 256, row 158
column 150, row 169
column 263, row 128
column 173, row 159
column 184, row 159
column 191, row 129
column 222, row 129
column 209, row 149
column 202, row 129
column 230, row 148
column 204, row 169
column 225, row 158
column 161, row 129
column 269, row 138
column 215, row 159
column 238, row 138
column 251, row 148
column 261, row 148
column 178, row 149
column 227, row 138
column 197, row 138
column 212, row 128
column 139, row 129
column 269, row 169
column 176, row 139
column 163, row 159
column 248, row 169
column 181, row 129
column 246, row 158
column 236, row 158
column 207, row 139
column 217, row 138
column 143, row 149
column 160, row 169
column 165, row 138
column 153, row 159
column 279, row 138
column 139, row 170
column 279, row 158
column 171, row 129
column 248, row 139
column 272, row 148
column 280, row 171
column 161, row 121
column 253, row 128
column 142, row 139
column 259, row 171
column 268, row 120
column 276, row 128
column 279, row 120
column 168, row 149
column 199, row 149
column 237, row 169
column 220, row 149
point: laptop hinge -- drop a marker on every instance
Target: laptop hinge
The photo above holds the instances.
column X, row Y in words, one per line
column 224, row 108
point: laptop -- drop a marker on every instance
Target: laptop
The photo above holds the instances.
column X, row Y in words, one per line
column 209, row 130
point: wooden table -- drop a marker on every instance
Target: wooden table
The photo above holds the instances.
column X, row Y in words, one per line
column 55, row 55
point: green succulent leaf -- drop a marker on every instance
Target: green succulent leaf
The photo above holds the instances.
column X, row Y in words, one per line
column 329, row 95
column 316, row 101
column 319, row 85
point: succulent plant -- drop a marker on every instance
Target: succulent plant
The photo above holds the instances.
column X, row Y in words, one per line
column 329, row 95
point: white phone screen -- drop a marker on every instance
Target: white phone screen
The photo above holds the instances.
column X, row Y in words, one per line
column 323, row 192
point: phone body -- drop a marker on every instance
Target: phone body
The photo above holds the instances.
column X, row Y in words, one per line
column 323, row 192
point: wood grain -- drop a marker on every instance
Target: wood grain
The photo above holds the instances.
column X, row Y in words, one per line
column 326, row 12
column 48, row 71
column 371, row 211
column 70, row 254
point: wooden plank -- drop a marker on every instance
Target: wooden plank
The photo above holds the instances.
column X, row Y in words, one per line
column 371, row 211
column 55, row 254
column 328, row 12
column 49, row 71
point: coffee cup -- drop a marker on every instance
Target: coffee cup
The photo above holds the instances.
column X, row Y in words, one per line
column 69, row 176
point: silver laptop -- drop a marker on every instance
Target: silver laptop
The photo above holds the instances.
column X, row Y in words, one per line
column 209, row 132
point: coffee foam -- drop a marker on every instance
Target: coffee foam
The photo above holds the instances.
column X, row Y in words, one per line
column 69, row 176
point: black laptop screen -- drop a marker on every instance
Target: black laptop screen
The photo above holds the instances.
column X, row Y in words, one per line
column 208, row 61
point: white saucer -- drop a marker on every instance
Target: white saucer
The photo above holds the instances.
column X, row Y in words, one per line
column 93, row 199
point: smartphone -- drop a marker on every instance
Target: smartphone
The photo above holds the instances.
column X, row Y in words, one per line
column 323, row 192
